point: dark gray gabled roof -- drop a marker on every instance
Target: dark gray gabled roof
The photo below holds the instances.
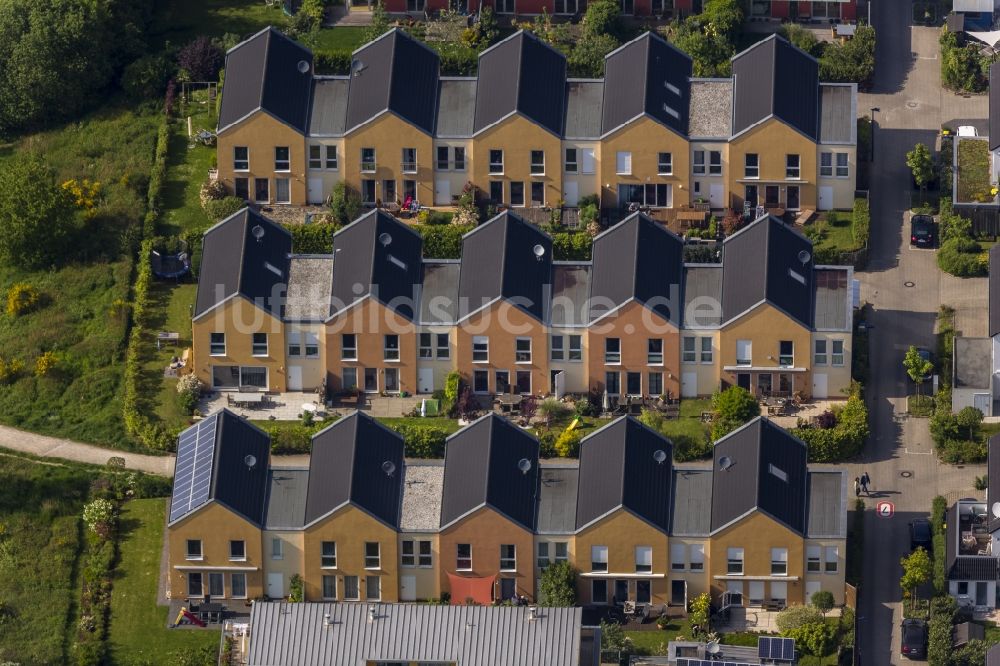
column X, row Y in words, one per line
column 394, row 73
column 765, row 470
column 264, row 74
column 994, row 287
column 213, row 464
column 637, row 259
column 235, row 262
column 481, row 469
column 521, row 74
column 774, row 78
column 995, row 106
column 619, row 469
column 763, row 262
column 377, row 256
column 647, row 76
column 350, row 464
column 499, row 261
column 993, row 480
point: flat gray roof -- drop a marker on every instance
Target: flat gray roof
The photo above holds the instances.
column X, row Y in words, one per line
column 692, row 515
column 972, row 366
column 827, row 505
column 329, row 107
column 557, row 500
column 309, row 288
column 711, row 110
column 833, row 299
column 837, row 122
column 583, row 109
column 439, row 298
column 570, row 291
column 422, row 484
column 286, row 498
column 456, row 108
column 703, row 296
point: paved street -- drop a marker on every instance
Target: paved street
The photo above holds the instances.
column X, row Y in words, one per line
column 900, row 457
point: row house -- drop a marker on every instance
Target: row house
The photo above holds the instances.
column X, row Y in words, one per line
column 755, row 527
column 647, row 134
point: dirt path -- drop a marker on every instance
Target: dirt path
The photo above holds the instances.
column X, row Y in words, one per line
column 54, row 447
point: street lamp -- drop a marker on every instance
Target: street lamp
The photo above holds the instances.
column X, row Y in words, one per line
column 874, row 110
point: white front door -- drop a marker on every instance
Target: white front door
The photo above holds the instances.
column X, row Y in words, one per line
column 689, row 385
column 571, row 192
column 442, row 192
column 315, row 195
column 819, row 385
column 295, row 378
column 715, row 195
column 425, row 380
column 407, row 588
column 825, row 197
column 275, row 585
column 812, row 587
column 560, row 384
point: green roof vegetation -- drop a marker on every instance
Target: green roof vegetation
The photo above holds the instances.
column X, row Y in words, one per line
column 974, row 171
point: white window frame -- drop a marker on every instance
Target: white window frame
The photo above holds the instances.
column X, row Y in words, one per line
column 425, row 348
column 793, row 166
column 786, row 360
column 598, row 556
column 819, row 351
column 522, row 356
column 315, row 156
column 237, row 558
column 357, row 588
column 408, row 166
column 481, row 348
column 678, row 552
column 834, row 354
column 439, row 164
column 442, row 351
column 369, row 165
column 542, row 557
column 588, row 164
column 192, row 556
column 814, row 559
column 571, row 166
column 458, row 158
column 644, row 559
column 654, row 357
column 698, row 164
column 213, row 346
column 282, row 165
column 331, row 162
column 556, row 350
column 459, row 558
column 277, row 548
column 508, row 563
column 715, row 163
column 323, row 556
column 612, row 356
column 623, row 163
column 232, row 585
column 744, row 348
column 536, row 168
column 495, row 167
column 751, row 171
column 575, row 351
column 706, row 353
column 665, row 165
column 377, row 557
column 390, row 354
column 735, row 555
column 344, row 350
column 294, row 343
column 323, row 587
column 689, row 349
column 256, row 346
column 282, row 190
column 831, row 559
column 842, row 170
column 237, row 161
column 697, row 557
column 779, row 561
column 826, row 164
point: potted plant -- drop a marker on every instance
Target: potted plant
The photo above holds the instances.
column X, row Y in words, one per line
column 662, row 622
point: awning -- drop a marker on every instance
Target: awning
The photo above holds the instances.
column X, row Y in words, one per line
column 770, row 578
column 466, row 588
column 764, row 369
column 990, row 38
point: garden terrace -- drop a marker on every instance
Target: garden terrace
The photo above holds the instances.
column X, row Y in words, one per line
column 974, row 173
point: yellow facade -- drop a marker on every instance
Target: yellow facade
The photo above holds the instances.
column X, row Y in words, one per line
column 644, row 139
column 622, row 533
column 503, row 324
column 419, row 582
column 766, row 327
column 239, row 319
column 773, row 141
column 389, row 135
column 370, row 322
column 517, row 137
column 486, row 530
column 261, row 134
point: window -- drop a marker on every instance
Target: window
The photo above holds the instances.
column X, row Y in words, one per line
column 194, row 549
column 508, row 557
column 410, row 553
column 588, row 161
column 654, row 351
column 656, row 383
column 348, row 347
column 463, row 557
column 294, row 343
column 786, row 353
column 777, row 472
column 611, row 383
column 329, row 587
column 373, row 588
column 572, row 166
column 654, row 195
column 698, row 164
column 216, row 585
column 424, row 557
column 349, row 378
column 409, row 160
column 837, row 352
column 331, row 157
column 410, row 190
column 261, row 190
column 842, row 168
column 688, row 353
column 734, row 561
column 388, row 191
column 238, row 585
column 260, row 344
column 556, row 350
column 714, row 163
column 543, row 554
column 459, row 158
column 598, row 558
column 779, row 561
column 442, row 349
column 522, row 350
column 819, row 353
column 368, row 191
column 576, row 347
column 496, row 161
column 282, row 161
column 480, row 349
column 442, row 158
column 328, row 554
column 194, row 584
column 751, row 166
column 537, row 194
column 623, row 163
column 316, row 157
column 697, row 557
column 562, row 551
column 367, row 160
column 792, row 167
column 522, row 381
column 706, row 350
column 351, row 590
column 516, row 193
column 217, row 344
column 390, row 347
column 599, row 591
column 963, row 587
column 408, row 556
column 677, row 553
column 612, row 350
column 424, row 348
column 633, row 383
column 812, row 559
column 237, row 549
column 664, row 164
column 537, row 162
column 643, row 559
column 282, row 191
column 277, row 549
column 480, row 381
column 830, row 559
column 415, row 5
column 744, row 352
column 241, row 158
column 496, row 191
column 826, row 164
column 241, row 187
column 372, row 555
column 371, row 380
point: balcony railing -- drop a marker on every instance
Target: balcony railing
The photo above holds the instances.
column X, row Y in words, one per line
column 367, row 167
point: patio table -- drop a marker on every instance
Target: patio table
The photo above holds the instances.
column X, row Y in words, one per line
column 248, row 398
column 211, row 612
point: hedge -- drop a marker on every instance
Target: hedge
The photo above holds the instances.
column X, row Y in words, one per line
column 443, row 241
column 844, row 440
column 939, row 509
column 422, row 441
column 939, row 634
column 572, row 246
column 464, row 62
column 861, row 222
column 419, row 441
column 312, row 238
column 99, row 558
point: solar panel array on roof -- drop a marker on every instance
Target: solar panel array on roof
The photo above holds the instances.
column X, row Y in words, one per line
column 193, row 471
column 780, row 649
column 705, row 662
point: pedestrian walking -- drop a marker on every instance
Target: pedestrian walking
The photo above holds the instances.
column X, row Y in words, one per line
column 857, row 486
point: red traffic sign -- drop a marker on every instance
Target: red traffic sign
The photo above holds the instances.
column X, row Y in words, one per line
column 885, row 509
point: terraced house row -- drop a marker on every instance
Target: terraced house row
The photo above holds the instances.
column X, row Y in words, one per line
column 648, row 134
column 375, row 316
column 756, row 526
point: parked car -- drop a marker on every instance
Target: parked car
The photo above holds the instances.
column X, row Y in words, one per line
column 914, row 639
column 920, row 534
column 923, row 231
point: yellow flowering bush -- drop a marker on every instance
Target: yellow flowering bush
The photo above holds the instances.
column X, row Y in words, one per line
column 46, row 363
column 21, row 297
column 84, row 193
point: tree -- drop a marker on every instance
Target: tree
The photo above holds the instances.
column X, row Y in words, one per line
column 380, row 23
column 802, row 38
column 699, row 614
column 603, row 17
column 822, row 601
column 794, row 617
column 38, row 217
column 733, row 407
column 587, row 57
column 722, row 17
column 710, row 51
column 557, row 585
column 201, row 59
column 916, row 572
column 916, row 366
column 921, row 166
column 146, row 78
column 345, row 203
column 852, row 61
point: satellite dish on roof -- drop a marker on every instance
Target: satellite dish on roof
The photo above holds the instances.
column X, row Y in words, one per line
column 385, row 239
column 357, row 66
column 996, row 509
column 250, row 461
column 539, row 251
column 659, row 455
column 258, row 232
column 388, row 467
column 713, row 647
column 303, row 66
column 804, row 257
column 524, row 465
column 725, row 462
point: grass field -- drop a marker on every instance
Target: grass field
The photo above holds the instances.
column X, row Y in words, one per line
column 139, row 632
column 343, row 38
column 171, row 312
column 651, row 641
column 40, row 541
column 180, row 21
column 187, row 169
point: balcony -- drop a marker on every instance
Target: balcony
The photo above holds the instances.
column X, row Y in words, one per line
column 368, row 167
column 408, row 167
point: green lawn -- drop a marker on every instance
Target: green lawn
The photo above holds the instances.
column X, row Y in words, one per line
column 973, row 170
column 40, row 541
column 139, row 632
column 341, row 38
column 832, row 234
column 180, row 21
column 172, row 312
column 654, row 641
column 187, row 169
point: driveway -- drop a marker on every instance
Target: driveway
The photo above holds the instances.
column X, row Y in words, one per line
column 905, row 289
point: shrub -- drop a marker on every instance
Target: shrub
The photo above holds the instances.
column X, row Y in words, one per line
column 295, row 586
column 733, row 407
column 220, row 209
column 39, row 218
column 823, row 601
column 939, row 630
column 960, row 256
column 846, row 439
column 146, row 78
column 211, row 190
column 99, row 515
column 345, row 203
column 200, row 59
column 795, row 617
column 287, row 439
column 557, row 585
column 568, row 444
column 10, row 369
column 603, row 18
column 587, row 57
column 546, row 443
column 815, row 638
column 699, row 610
column 553, row 410
column 860, row 222
column 571, row 246
column 21, row 298
column 422, row 441
column 852, row 61
column 312, row 238
column 188, row 392
column 442, row 241
column 46, row 364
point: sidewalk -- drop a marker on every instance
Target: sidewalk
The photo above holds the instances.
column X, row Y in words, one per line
column 53, row 447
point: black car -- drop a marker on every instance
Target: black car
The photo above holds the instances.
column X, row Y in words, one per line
column 914, row 639
column 923, row 231
column 927, row 356
column 920, row 534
